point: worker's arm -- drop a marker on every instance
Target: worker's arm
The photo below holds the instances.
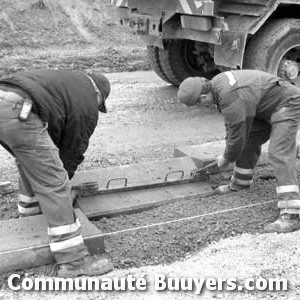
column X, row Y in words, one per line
column 73, row 145
column 238, row 117
column 71, row 161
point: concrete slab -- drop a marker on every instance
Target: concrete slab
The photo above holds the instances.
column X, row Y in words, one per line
column 204, row 153
column 24, row 242
column 135, row 175
column 130, row 202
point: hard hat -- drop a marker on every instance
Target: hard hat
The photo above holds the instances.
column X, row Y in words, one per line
column 190, row 90
column 103, row 84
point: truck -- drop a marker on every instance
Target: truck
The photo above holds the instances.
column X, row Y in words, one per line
column 204, row 37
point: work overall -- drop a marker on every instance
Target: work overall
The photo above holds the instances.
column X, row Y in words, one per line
column 281, row 129
column 43, row 177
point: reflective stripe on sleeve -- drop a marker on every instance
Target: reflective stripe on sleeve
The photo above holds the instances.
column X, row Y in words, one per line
column 287, row 189
column 64, row 229
column 63, row 245
column 231, row 78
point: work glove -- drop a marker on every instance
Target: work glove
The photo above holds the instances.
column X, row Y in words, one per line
column 223, row 163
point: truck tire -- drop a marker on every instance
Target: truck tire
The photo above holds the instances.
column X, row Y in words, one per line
column 275, row 48
column 153, row 55
column 184, row 58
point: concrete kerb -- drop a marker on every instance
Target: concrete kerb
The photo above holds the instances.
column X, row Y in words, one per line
column 129, row 202
column 24, row 242
column 147, row 185
column 204, row 153
column 136, row 175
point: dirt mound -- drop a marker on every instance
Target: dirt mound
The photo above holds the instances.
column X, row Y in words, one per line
column 33, row 25
column 75, row 34
column 43, row 23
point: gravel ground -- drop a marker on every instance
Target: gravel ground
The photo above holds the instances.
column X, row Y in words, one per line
column 172, row 242
column 228, row 245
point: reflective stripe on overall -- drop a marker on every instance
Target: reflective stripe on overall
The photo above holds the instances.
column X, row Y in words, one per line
column 282, row 132
column 282, row 154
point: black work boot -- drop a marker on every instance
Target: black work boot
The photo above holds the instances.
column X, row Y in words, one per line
column 284, row 224
column 87, row 266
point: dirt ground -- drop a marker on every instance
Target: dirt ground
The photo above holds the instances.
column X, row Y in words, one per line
column 78, row 34
column 145, row 122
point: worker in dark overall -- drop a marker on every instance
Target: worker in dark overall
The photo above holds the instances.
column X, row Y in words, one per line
column 46, row 120
column 256, row 106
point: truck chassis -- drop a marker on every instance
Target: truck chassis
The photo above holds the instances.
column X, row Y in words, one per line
column 203, row 37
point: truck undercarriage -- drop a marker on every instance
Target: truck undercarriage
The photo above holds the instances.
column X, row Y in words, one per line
column 201, row 38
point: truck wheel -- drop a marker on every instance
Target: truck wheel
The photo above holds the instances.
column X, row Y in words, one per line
column 184, row 58
column 153, row 55
column 275, row 48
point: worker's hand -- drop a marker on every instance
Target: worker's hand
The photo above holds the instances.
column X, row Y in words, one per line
column 223, row 163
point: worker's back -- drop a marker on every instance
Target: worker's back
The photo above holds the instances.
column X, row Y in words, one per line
column 262, row 90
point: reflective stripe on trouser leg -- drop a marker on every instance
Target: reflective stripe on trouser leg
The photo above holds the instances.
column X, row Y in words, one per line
column 242, row 177
column 28, row 206
column 247, row 160
column 288, row 197
column 65, row 240
column 42, row 166
column 282, row 154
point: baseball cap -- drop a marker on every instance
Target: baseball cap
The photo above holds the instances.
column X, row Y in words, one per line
column 190, row 90
column 103, row 86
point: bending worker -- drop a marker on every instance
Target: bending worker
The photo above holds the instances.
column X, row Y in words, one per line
column 257, row 106
column 46, row 120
